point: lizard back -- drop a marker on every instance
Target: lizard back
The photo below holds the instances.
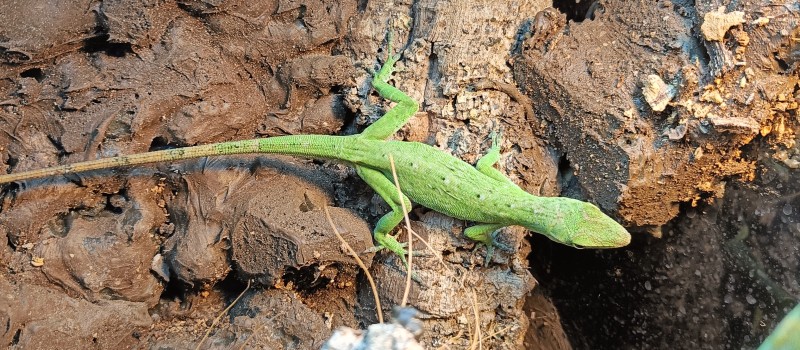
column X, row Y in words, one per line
column 438, row 180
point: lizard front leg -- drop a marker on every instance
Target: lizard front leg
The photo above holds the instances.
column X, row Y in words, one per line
column 387, row 190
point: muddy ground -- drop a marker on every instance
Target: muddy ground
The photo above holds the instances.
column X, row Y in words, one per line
column 677, row 118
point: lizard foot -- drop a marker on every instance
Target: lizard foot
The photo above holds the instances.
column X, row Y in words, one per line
column 495, row 242
column 398, row 249
column 386, row 70
column 496, row 135
column 390, row 243
column 491, row 239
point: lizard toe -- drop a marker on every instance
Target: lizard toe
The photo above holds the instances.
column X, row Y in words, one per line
column 499, row 241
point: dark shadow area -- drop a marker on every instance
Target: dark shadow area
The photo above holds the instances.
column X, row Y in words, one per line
column 577, row 10
column 35, row 73
column 593, row 290
column 100, row 43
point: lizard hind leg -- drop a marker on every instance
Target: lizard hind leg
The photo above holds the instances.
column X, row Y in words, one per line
column 386, row 189
column 486, row 234
column 396, row 117
column 486, row 164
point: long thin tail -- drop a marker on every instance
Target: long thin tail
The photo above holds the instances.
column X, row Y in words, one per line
column 312, row 146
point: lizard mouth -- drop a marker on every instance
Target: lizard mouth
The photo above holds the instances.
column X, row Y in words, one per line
column 592, row 242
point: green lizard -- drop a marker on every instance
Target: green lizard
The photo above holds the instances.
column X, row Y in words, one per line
column 428, row 176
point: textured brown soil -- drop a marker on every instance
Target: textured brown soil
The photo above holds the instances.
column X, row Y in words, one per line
column 688, row 140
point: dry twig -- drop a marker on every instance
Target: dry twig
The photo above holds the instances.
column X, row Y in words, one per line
column 359, row 262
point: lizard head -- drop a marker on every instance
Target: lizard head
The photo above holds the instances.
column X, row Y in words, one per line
column 578, row 224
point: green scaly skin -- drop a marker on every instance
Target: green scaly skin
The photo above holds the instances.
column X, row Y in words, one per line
column 428, row 176
column 786, row 335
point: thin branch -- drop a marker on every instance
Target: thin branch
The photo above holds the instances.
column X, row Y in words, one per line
column 477, row 335
column 219, row 317
column 359, row 262
column 410, row 236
